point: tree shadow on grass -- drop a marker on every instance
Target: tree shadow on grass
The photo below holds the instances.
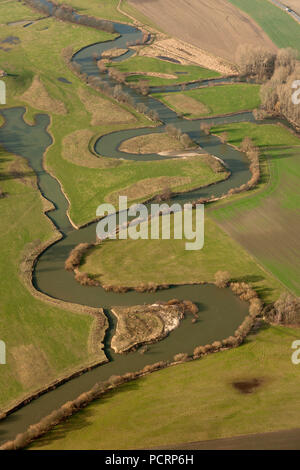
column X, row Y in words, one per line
column 82, row 418
column 262, row 291
column 249, row 278
column 14, row 175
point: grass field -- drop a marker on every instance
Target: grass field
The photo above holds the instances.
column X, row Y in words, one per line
column 193, row 401
column 280, row 27
column 140, row 65
column 103, row 183
column 265, row 222
column 177, row 265
column 213, row 100
column 15, row 11
column 42, row 341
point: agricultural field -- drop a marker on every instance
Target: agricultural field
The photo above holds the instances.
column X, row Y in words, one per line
column 215, row 26
column 258, row 222
column 281, row 28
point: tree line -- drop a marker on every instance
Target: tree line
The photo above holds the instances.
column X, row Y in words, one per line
column 277, row 72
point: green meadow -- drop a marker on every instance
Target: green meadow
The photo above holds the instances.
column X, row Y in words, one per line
column 223, row 99
column 193, row 401
column 139, row 65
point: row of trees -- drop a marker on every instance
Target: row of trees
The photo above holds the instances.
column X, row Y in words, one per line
column 142, row 86
column 116, row 91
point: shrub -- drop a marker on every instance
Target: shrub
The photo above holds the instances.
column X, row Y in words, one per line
column 190, row 307
column 101, row 64
column 286, row 310
column 181, row 357
column 224, row 137
column 85, row 280
column 199, row 351
column 75, row 256
column 173, row 302
column 143, row 87
column 216, row 345
column 205, row 127
column 115, row 380
column 186, row 141
column 231, row 341
column 255, row 308
column 222, row 279
column 153, row 115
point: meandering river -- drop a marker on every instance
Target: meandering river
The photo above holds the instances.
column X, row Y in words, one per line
column 220, row 311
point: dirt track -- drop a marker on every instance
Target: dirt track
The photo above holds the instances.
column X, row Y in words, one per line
column 278, row 440
column 213, row 25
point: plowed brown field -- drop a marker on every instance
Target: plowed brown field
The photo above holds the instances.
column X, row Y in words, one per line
column 213, row 25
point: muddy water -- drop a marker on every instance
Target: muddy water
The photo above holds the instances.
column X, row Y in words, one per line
column 220, row 311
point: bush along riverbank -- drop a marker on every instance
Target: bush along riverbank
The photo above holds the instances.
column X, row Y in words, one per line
column 241, row 289
column 102, row 86
column 252, row 154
